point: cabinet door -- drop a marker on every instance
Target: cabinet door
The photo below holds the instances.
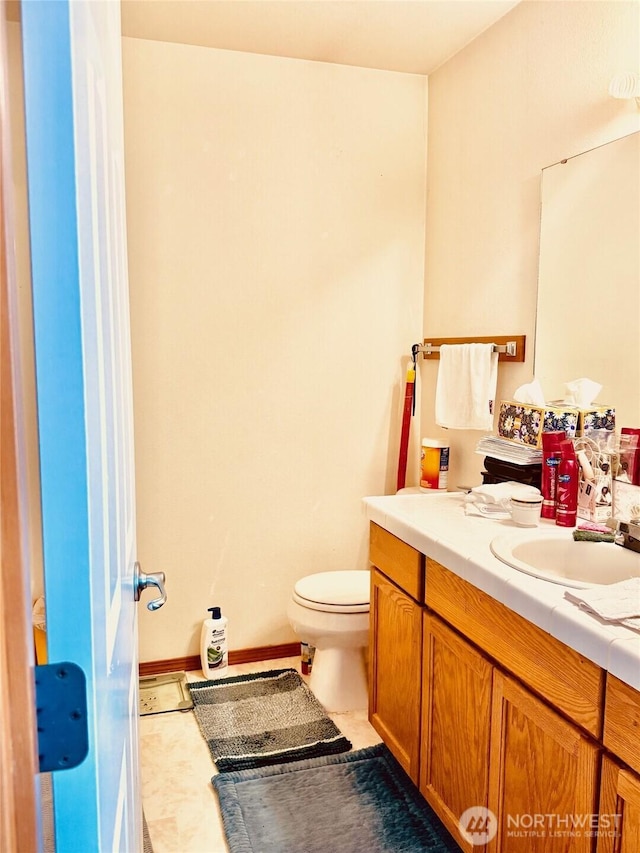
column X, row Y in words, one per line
column 542, row 777
column 456, row 717
column 622, row 722
column 395, row 652
column 619, row 819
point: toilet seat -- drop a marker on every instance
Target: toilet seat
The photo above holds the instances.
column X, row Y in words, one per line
column 334, row 592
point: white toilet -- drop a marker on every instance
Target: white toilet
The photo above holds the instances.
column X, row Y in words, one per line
column 330, row 610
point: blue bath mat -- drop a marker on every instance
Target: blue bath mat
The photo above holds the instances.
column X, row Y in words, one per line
column 359, row 801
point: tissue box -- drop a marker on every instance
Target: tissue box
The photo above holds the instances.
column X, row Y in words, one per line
column 525, row 423
column 596, row 417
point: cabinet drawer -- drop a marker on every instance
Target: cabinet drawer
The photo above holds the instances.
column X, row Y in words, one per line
column 622, row 721
column 567, row 680
column 397, row 560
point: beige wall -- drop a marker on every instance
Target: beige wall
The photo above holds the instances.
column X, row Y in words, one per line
column 276, row 243
column 276, row 231
column 529, row 91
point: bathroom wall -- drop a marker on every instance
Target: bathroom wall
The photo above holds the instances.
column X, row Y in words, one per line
column 529, row 91
column 277, row 240
column 276, row 247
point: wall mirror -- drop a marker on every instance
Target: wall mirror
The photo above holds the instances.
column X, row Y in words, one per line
column 588, row 312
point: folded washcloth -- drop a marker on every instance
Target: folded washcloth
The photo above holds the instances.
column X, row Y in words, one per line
column 616, row 602
column 466, row 386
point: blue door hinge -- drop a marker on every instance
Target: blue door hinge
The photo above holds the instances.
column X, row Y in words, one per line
column 61, row 712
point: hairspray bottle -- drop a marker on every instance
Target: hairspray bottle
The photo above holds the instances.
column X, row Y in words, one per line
column 567, row 505
column 551, row 457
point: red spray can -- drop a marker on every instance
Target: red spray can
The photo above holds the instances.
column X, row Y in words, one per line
column 567, row 505
column 551, row 457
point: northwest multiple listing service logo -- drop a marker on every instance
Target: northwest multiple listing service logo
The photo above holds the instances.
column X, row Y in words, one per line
column 478, row 825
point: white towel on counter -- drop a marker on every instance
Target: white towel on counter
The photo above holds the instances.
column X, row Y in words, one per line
column 466, row 386
column 616, row 602
column 501, row 493
column 493, row 500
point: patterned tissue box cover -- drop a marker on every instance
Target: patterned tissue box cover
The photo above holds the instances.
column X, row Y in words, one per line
column 596, row 417
column 525, row 423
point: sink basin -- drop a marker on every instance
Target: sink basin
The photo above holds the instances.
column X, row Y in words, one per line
column 554, row 556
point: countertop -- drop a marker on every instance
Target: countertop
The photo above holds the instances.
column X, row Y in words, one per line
column 436, row 525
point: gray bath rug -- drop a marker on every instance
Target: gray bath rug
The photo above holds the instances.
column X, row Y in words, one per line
column 362, row 801
column 263, row 718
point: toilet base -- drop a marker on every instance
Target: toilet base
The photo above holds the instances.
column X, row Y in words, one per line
column 339, row 679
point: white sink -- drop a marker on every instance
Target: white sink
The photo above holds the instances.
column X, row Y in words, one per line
column 554, row 556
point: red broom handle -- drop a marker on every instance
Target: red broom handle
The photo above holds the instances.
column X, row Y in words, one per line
column 406, row 423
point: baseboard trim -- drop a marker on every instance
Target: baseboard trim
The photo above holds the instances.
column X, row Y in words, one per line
column 191, row 662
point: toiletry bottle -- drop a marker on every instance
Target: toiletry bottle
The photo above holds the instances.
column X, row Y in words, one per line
column 434, row 465
column 567, row 503
column 550, row 461
column 307, row 653
column 214, row 655
column 630, row 447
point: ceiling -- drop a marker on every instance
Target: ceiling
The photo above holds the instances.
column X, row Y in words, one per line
column 413, row 36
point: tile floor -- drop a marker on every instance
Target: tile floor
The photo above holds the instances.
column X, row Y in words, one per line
column 179, row 802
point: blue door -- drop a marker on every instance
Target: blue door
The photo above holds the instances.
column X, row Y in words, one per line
column 75, row 165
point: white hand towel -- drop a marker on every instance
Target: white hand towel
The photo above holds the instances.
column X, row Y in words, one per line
column 466, row 386
column 616, row 602
column 501, row 493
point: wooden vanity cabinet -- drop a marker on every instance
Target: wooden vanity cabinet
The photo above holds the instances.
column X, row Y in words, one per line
column 483, row 708
column 620, row 785
column 488, row 741
column 395, row 645
column 540, row 765
column 622, row 722
column 456, row 725
column 565, row 678
column 619, row 823
column 395, row 664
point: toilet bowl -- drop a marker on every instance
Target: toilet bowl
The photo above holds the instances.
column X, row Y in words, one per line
column 330, row 610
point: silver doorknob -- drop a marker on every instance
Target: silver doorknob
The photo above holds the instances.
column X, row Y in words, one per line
column 142, row 580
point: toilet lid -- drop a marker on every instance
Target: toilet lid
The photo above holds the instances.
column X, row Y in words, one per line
column 335, row 590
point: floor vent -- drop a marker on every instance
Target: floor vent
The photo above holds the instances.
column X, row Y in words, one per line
column 162, row 693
